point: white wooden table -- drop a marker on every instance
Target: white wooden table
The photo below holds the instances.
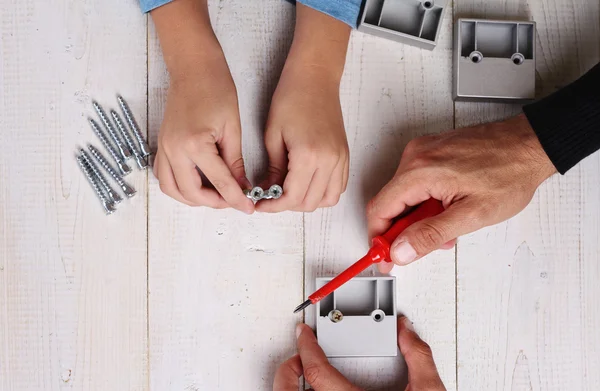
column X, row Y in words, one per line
column 164, row 297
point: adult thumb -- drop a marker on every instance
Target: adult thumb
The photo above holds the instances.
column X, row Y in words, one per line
column 430, row 234
column 422, row 372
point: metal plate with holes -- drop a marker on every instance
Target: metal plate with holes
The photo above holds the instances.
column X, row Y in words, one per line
column 359, row 318
column 414, row 22
column 494, row 60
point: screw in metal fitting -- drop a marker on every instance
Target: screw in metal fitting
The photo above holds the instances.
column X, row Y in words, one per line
column 255, row 194
column 335, row 316
column 134, row 127
column 123, row 150
column 99, row 177
column 108, row 205
column 123, row 167
column 139, row 159
column 127, row 189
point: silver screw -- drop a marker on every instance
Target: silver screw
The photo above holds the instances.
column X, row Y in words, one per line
column 111, row 193
column 127, row 189
column 125, row 153
column 255, row 194
column 123, row 167
column 335, row 316
column 134, row 127
column 109, row 206
column 139, row 159
column 275, row 192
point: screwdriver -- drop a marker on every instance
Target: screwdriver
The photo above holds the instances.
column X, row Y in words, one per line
column 379, row 251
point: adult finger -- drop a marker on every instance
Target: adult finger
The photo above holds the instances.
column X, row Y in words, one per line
column 430, row 234
column 402, row 191
column 212, row 165
column 166, row 179
column 190, row 185
column 386, row 267
column 317, row 371
column 422, row 372
column 286, row 377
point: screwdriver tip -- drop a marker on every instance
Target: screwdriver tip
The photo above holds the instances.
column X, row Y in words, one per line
column 302, row 306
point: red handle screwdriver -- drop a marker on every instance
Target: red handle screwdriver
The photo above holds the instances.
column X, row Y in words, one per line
column 379, row 251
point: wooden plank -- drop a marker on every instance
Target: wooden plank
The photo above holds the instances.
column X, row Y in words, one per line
column 390, row 94
column 528, row 301
column 72, row 281
column 223, row 285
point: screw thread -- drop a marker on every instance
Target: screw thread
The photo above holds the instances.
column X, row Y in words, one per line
column 99, row 176
column 125, row 133
column 106, row 165
column 134, row 126
column 111, row 130
column 104, row 141
column 90, row 177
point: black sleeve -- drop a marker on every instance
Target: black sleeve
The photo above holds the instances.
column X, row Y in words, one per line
column 567, row 122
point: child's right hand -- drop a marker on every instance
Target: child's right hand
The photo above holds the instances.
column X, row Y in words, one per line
column 201, row 126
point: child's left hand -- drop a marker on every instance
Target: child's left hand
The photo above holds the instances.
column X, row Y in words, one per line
column 306, row 142
column 305, row 136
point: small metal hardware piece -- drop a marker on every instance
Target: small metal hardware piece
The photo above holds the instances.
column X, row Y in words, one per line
column 123, row 167
column 335, row 316
column 116, row 198
column 274, row 192
column 123, row 150
column 139, row 159
column 108, row 205
column 127, row 189
column 134, row 127
column 378, row 315
column 257, row 193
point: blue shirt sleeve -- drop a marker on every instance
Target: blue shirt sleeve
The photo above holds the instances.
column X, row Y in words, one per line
column 149, row 5
column 345, row 10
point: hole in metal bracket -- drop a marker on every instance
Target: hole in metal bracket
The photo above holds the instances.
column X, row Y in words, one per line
column 518, row 58
column 428, row 4
column 377, row 315
column 476, row 57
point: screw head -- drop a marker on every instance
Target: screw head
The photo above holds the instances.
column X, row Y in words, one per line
column 275, row 191
column 378, row 315
column 335, row 316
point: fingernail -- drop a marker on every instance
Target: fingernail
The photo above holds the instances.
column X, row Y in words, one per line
column 403, row 253
column 408, row 324
column 298, row 331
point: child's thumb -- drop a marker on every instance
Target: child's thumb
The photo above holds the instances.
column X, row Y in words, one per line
column 430, row 234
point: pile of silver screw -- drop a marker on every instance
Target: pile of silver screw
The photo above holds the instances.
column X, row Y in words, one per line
column 121, row 148
column 257, row 193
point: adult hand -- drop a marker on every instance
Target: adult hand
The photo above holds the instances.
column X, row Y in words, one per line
column 483, row 175
column 201, row 128
column 305, row 136
column 312, row 363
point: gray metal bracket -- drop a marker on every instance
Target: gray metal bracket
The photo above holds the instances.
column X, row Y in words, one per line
column 494, row 60
column 359, row 318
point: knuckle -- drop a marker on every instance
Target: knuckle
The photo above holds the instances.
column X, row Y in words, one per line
column 371, row 208
column 418, row 348
column 220, row 184
column 428, row 238
column 198, row 142
column 312, row 374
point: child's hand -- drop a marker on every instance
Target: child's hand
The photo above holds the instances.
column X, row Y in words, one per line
column 306, row 143
column 305, row 136
column 201, row 126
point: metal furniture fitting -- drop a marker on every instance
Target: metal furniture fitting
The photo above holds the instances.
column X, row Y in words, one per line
column 257, row 193
column 108, row 205
column 127, row 189
column 125, row 153
column 123, row 167
column 139, row 159
column 116, row 198
column 134, row 127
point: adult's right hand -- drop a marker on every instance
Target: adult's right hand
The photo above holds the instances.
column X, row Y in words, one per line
column 483, row 175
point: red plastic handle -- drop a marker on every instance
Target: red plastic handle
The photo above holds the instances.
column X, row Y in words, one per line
column 382, row 243
column 380, row 251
